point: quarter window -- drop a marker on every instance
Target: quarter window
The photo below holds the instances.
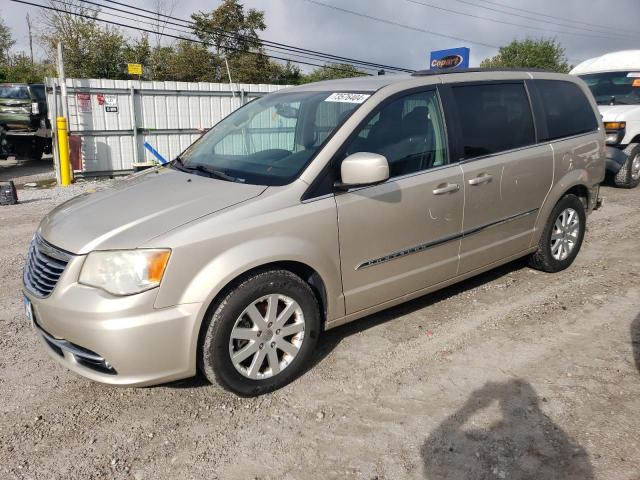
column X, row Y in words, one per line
column 567, row 111
column 493, row 118
column 409, row 132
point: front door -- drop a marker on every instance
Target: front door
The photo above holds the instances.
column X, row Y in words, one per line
column 403, row 235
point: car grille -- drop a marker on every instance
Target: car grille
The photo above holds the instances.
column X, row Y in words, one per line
column 45, row 263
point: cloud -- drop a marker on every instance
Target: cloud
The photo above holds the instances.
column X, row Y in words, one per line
column 311, row 26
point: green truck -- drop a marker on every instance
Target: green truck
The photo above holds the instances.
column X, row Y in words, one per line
column 25, row 130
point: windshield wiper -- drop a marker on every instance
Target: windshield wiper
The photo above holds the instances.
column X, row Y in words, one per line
column 178, row 164
column 212, row 172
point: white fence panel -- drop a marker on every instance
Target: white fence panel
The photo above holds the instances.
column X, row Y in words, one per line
column 114, row 118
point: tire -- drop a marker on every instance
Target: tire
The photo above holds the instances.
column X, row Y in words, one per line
column 556, row 254
column 37, row 150
column 243, row 312
column 629, row 174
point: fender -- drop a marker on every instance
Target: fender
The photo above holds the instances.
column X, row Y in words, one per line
column 225, row 267
column 567, row 182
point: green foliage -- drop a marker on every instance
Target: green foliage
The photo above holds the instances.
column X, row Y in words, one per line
column 6, row 42
column 95, row 50
column 330, row 72
column 91, row 50
column 230, row 17
column 546, row 54
column 184, row 62
column 19, row 69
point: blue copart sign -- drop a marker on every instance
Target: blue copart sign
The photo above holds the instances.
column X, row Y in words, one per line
column 452, row 58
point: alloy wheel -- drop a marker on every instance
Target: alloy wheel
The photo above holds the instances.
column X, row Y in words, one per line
column 267, row 336
column 635, row 167
column 565, row 234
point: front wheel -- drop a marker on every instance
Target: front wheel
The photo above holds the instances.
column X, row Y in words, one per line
column 629, row 174
column 261, row 335
column 562, row 236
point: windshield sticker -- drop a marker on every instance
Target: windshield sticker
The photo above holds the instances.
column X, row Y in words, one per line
column 347, row 97
column 633, row 75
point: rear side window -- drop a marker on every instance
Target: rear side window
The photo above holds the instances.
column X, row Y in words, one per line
column 567, row 111
column 493, row 118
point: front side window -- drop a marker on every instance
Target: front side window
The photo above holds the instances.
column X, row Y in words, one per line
column 566, row 109
column 493, row 118
column 272, row 139
column 409, row 132
column 614, row 88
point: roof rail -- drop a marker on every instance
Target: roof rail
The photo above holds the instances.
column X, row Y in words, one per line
column 423, row 73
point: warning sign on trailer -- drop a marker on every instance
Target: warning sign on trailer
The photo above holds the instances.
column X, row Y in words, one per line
column 111, row 109
column 83, row 102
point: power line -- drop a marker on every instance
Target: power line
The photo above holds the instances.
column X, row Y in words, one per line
column 401, row 25
column 554, row 17
column 182, row 31
column 176, row 37
column 227, row 34
column 532, row 27
column 528, row 17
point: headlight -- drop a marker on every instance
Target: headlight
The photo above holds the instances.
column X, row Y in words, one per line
column 615, row 132
column 125, row 272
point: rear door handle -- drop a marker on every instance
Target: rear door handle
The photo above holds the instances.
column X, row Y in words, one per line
column 480, row 179
column 446, row 188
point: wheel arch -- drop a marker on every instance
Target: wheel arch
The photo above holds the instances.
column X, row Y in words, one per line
column 572, row 184
column 307, row 273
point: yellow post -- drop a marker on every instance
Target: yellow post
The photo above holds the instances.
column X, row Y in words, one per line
column 63, row 149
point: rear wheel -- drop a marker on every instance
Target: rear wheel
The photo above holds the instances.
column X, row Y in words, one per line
column 562, row 237
column 629, row 175
column 261, row 335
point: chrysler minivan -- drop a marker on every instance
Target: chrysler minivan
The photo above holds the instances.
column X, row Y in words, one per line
column 309, row 208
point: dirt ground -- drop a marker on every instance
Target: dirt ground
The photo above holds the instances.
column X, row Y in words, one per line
column 514, row 374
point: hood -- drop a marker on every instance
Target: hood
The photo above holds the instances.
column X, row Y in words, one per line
column 619, row 113
column 138, row 209
column 12, row 105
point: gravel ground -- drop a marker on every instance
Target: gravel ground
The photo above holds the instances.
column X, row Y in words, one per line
column 514, row 374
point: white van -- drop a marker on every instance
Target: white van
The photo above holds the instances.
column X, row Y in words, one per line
column 614, row 80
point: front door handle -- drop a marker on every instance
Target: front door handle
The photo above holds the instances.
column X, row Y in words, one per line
column 446, row 188
column 480, row 179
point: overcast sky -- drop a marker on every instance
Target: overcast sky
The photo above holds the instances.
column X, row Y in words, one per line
column 309, row 25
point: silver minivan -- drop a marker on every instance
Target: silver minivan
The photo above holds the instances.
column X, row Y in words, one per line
column 309, row 208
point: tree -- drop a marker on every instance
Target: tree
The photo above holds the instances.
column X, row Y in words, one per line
column 137, row 51
column 229, row 28
column 330, row 72
column 91, row 49
column 546, row 54
column 6, row 42
column 20, row 69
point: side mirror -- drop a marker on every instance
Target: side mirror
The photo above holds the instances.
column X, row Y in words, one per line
column 363, row 168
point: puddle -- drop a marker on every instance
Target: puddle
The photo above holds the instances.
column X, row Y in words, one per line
column 39, row 185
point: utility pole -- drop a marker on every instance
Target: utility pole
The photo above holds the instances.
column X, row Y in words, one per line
column 62, row 82
column 30, row 37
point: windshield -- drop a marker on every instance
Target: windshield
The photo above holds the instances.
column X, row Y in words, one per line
column 614, row 88
column 14, row 92
column 272, row 139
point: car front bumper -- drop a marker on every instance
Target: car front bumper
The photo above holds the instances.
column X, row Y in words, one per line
column 117, row 340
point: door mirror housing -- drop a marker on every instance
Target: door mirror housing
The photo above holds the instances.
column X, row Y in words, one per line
column 363, row 168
